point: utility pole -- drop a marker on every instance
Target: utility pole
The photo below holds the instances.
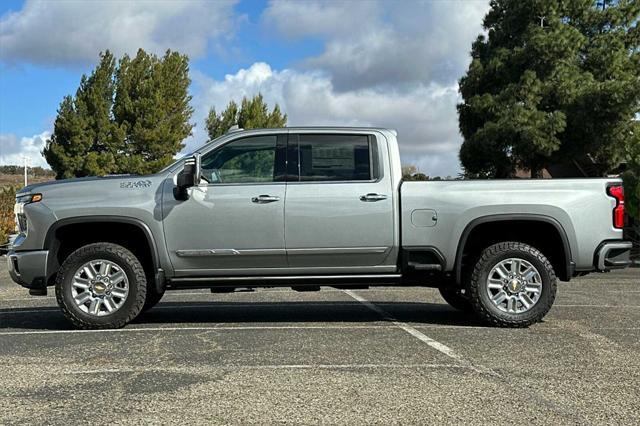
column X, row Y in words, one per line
column 26, row 162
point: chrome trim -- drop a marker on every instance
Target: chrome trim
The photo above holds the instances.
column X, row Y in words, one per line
column 228, row 252
column 336, row 250
column 267, row 252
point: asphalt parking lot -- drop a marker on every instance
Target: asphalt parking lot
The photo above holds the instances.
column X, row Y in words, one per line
column 385, row 355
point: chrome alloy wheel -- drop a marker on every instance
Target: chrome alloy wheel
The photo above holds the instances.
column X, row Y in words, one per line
column 514, row 285
column 100, row 287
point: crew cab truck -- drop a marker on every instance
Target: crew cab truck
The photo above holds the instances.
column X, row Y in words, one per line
column 310, row 207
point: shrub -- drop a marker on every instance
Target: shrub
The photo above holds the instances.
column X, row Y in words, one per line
column 7, row 225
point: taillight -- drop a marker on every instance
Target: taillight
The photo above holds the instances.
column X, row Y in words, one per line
column 617, row 192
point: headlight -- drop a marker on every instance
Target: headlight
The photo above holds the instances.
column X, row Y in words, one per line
column 18, row 210
column 28, row 198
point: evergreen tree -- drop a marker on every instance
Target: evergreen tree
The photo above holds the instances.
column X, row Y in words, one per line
column 152, row 107
column 218, row 125
column 632, row 176
column 252, row 114
column 553, row 79
column 125, row 118
column 85, row 140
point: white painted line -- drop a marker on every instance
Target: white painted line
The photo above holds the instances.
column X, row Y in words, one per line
column 211, row 305
column 27, row 299
column 440, row 347
column 265, row 367
column 207, row 305
column 561, row 305
column 203, row 328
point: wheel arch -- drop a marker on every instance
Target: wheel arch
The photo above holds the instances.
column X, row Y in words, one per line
column 568, row 266
column 54, row 244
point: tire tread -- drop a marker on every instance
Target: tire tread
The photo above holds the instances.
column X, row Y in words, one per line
column 475, row 285
column 97, row 249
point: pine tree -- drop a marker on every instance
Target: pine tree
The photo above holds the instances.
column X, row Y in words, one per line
column 632, row 175
column 152, row 106
column 252, row 114
column 126, row 118
column 218, row 125
column 85, row 140
column 552, row 80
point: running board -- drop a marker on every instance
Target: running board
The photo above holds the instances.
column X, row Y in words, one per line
column 284, row 280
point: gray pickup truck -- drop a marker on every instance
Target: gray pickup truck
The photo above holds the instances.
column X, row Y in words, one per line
column 306, row 207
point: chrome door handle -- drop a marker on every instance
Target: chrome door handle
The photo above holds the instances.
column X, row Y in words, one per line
column 263, row 199
column 373, row 197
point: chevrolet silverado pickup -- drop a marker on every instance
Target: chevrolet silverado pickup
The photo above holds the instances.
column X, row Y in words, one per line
column 305, row 208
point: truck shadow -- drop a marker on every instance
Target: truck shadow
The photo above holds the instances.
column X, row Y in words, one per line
column 172, row 313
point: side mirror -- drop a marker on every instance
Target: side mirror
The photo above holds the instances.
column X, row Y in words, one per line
column 188, row 177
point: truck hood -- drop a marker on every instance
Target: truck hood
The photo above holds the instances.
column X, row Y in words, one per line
column 99, row 195
column 38, row 187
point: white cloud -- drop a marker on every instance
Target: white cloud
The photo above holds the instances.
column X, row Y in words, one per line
column 14, row 149
column 384, row 43
column 425, row 117
column 337, row 19
column 73, row 32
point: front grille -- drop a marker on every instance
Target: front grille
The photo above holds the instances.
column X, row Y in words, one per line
column 21, row 221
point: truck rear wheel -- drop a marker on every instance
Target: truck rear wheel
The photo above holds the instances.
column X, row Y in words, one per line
column 454, row 297
column 512, row 285
column 101, row 285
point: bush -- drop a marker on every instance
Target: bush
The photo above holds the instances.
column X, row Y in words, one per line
column 7, row 225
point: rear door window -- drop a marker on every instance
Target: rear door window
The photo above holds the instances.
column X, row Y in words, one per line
column 334, row 157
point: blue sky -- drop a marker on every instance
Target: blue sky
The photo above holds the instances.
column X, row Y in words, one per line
column 380, row 63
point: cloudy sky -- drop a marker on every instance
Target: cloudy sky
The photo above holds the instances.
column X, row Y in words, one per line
column 380, row 63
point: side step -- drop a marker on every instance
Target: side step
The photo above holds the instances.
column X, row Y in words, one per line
column 425, row 266
column 297, row 281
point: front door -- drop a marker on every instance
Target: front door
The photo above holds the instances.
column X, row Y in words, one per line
column 233, row 222
column 339, row 210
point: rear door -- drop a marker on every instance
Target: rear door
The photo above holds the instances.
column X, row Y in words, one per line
column 339, row 211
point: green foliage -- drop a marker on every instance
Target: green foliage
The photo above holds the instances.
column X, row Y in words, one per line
column 252, row 114
column 129, row 117
column 7, row 225
column 552, row 80
column 32, row 171
column 632, row 176
column 152, row 108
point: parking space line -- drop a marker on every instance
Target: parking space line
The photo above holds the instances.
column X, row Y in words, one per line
column 204, row 328
column 432, row 343
column 208, row 305
column 213, row 304
column 564, row 305
column 267, row 367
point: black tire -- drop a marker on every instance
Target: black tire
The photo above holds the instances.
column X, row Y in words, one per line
column 479, row 297
column 152, row 299
column 126, row 261
column 454, row 297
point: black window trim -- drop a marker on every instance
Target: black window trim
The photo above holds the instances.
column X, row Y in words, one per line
column 279, row 160
column 293, row 159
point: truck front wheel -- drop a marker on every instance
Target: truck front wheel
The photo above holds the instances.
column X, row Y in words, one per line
column 101, row 285
column 512, row 285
